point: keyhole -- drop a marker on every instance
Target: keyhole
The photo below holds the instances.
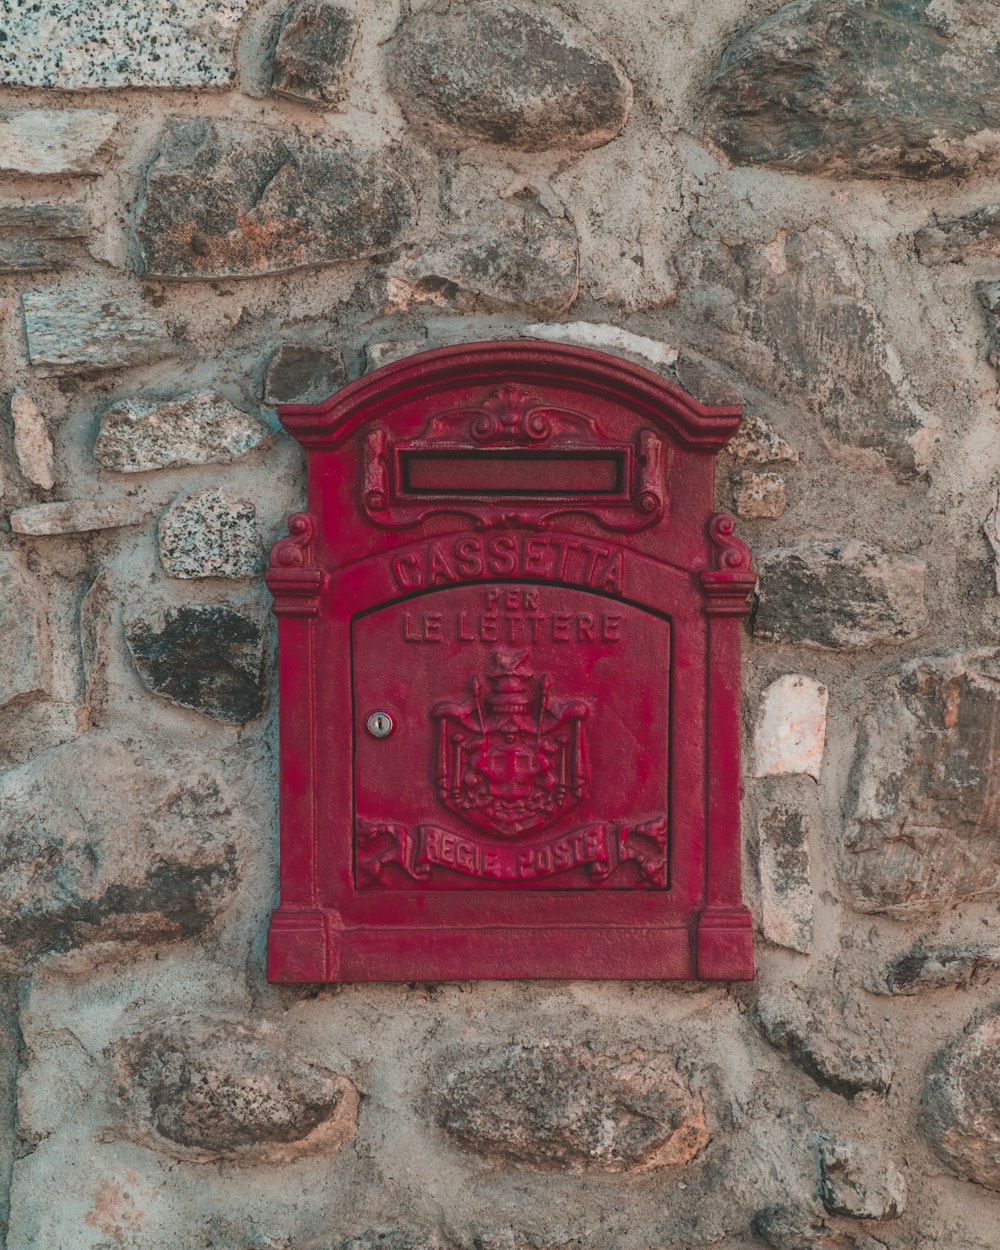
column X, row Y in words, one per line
column 380, row 724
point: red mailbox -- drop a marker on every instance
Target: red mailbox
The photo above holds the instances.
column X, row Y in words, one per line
column 509, row 640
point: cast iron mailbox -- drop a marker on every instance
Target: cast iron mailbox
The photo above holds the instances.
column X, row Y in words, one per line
column 509, row 638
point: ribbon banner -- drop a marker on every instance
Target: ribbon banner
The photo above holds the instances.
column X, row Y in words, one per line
column 598, row 848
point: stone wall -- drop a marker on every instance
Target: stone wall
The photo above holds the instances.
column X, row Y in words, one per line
column 210, row 208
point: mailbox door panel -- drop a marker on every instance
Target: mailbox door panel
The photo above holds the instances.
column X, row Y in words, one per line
column 511, row 736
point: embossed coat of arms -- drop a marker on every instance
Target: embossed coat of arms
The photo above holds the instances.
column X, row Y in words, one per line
column 510, row 758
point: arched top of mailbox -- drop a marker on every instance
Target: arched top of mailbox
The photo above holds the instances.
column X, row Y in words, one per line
column 542, row 366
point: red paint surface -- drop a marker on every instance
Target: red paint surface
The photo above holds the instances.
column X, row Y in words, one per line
column 509, row 548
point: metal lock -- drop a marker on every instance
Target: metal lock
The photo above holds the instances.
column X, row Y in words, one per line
column 380, row 724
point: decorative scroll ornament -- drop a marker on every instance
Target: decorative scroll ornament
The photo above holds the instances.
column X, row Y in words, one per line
column 509, row 759
column 728, row 586
column 600, row 849
column 511, row 416
column 292, row 578
column 734, row 554
column 291, row 552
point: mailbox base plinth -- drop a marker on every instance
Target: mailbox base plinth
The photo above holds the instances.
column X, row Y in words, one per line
column 298, row 947
column 725, row 945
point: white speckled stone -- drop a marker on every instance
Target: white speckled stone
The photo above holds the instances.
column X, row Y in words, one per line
column 208, row 534
column 137, row 436
column 759, row 494
column 72, row 44
column 75, row 332
column 791, row 727
column 77, row 516
column 48, row 143
column 32, row 442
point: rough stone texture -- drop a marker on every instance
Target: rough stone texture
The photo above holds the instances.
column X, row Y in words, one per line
column 991, row 528
column 989, row 297
column 93, row 43
column 608, row 338
column 209, row 534
column 921, row 826
column 299, row 373
column 209, row 658
column 525, row 258
column 37, row 238
column 860, row 1182
column 839, row 595
column 920, row 970
column 564, row 1106
column 791, row 727
column 786, row 893
column 392, row 1239
column 78, row 516
column 312, row 56
column 795, row 91
column 229, row 200
column 75, row 332
column 960, row 1102
column 138, row 435
column 834, row 1044
column 53, row 143
column 32, row 443
column 757, row 443
column 105, row 840
column 24, row 658
column 507, row 74
column 759, row 495
column 202, row 1090
column 973, row 236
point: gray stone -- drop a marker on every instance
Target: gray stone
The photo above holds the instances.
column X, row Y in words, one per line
column 390, row 1239
column 523, row 259
column 756, row 442
column 974, row 236
column 78, row 516
column 385, row 352
column 759, row 495
column 78, row 332
column 228, row 200
column 839, row 595
column 801, row 299
column 139, row 435
column 203, row 1090
column 32, row 443
column 300, row 373
column 786, row 893
column 107, row 841
column 54, row 143
column 835, row 1045
column 97, row 614
column 312, row 56
column 566, row 1107
column 920, row 970
column 960, row 1106
column 118, row 43
column 860, row 1181
column 503, row 73
column 206, row 657
column 24, row 658
column 989, row 297
column 38, row 238
column 791, row 1228
column 11, row 1051
column 863, row 88
column 608, row 338
column 921, row 828
column 208, row 534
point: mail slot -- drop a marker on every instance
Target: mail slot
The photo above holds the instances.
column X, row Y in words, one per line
column 509, row 653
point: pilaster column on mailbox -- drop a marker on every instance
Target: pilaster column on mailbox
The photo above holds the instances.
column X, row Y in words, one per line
column 509, row 640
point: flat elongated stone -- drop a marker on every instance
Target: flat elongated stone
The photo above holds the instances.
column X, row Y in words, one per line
column 885, row 88
column 921, row 830
column 54, row 142
column 523, row 259
column 76, row 332
column 300, row 373
column 786, row 893
column 860, row 1181
column 138, row 435
column 923, row 969
column 566, row 1107
column 607, row 338
column 208, row 534
column 791, row 727
column 206, row 657
column 78, row 44
column 313, row 53
column 23, row 613
column 756, row 442
column 203, row 1090
column 960, row 1107
column 228, row 200
column 37, row 238
column 78, row 516
column 972, row 237
column 32, row 443
column 503, row 73
column 841, row 594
